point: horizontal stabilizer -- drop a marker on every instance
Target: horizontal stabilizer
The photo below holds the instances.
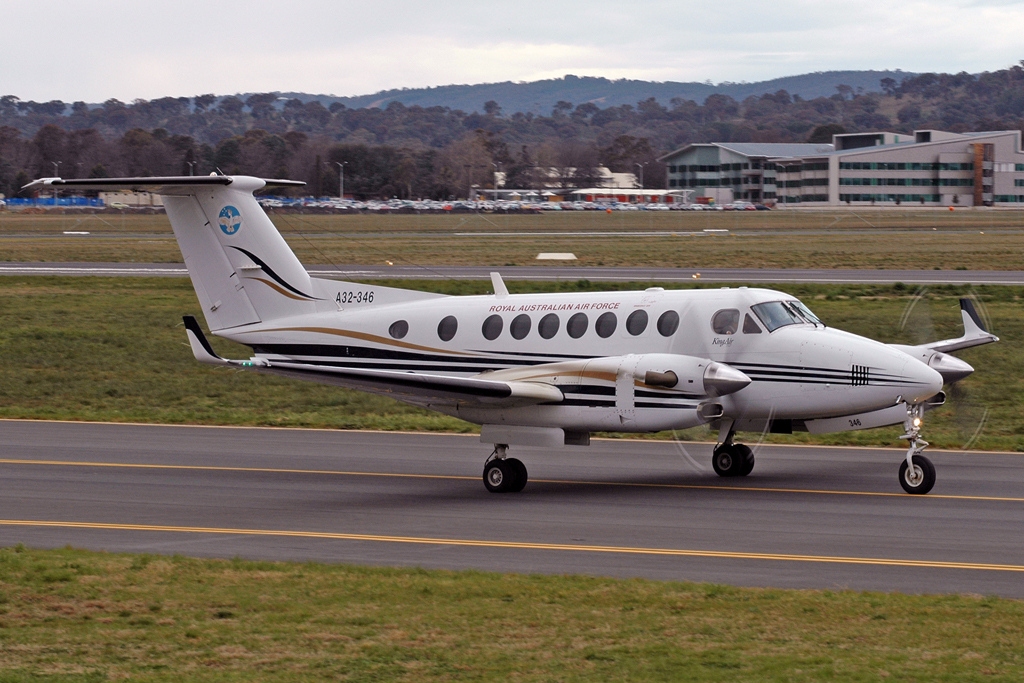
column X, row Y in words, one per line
column 155, row 184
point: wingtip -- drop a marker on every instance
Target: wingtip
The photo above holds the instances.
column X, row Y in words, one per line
column 967, row 306
column 201, row 348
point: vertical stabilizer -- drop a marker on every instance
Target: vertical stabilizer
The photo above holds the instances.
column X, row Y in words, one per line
column 242, row 269
column 220, row 291
column 261, row 262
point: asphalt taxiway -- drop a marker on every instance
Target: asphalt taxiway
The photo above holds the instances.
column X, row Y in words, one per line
column 808, row 517
column 561, row 272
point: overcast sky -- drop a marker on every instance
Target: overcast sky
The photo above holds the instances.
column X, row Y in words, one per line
column 100, row 49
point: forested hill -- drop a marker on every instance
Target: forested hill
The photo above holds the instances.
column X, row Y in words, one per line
column 539, row 97
column 412, row 150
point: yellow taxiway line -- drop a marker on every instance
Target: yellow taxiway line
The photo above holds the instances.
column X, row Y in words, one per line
column 455, row 477
column 520, row 545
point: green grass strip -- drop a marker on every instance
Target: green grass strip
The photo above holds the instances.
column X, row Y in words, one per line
column 71, row 615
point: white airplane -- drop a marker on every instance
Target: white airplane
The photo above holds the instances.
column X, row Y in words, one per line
column 547, row 369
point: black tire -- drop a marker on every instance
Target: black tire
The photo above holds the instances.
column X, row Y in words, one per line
column 921, row 480
column 726, row 461
column 521, row 475
column 747, row 458
column 498, row 476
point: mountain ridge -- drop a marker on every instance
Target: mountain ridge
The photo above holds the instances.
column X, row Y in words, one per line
column 539, row 97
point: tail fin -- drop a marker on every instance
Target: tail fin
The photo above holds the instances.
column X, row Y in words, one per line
column 242, row 269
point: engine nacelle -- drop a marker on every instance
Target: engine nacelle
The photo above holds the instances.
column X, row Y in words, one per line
column 689, row 374
column 950, row 367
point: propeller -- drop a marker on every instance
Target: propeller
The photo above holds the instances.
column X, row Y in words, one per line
column 967, row 415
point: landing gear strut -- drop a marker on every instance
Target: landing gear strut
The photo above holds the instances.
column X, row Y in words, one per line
column 917, row 474
column 503, row 474
column 732, row 459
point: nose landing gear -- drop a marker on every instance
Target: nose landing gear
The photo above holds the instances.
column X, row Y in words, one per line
column 503, row 474
column 732, row 459
column 917, row 474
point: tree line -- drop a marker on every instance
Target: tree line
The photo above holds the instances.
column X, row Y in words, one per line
column 441, row 152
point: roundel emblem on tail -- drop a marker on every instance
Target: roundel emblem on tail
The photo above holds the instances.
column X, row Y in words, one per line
column 229, row 220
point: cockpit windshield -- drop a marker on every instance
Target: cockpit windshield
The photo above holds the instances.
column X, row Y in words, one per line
column 776, row 314
column 805, row 312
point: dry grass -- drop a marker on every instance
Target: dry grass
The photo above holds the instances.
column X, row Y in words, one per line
column 915, row 239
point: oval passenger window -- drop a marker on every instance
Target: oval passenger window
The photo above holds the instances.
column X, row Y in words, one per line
column 605, row 325
column 492, row 327
column 668, row 323
column 398, row 329
column 726, row 321
column 447, row 328
column 636, row 323
column 520, row 326
column 548, row 326
column 577, row 325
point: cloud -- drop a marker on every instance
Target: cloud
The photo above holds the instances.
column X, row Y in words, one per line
column 146, row 49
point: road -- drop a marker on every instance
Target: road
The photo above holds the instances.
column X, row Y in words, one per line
column 807, row 517
column 562, row 272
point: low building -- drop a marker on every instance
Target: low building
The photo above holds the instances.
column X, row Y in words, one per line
column 733, row 170
column 132, row 199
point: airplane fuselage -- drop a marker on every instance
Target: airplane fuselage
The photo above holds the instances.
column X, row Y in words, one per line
column 800, row 370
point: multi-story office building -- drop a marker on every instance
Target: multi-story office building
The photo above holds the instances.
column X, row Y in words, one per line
column 733, row 170
column 931, row 167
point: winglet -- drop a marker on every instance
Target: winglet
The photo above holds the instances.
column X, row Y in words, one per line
column 201, row 348
column 500, row 290
column 971, row 318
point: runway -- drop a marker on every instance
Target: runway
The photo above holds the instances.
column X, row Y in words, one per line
column 561, row 272
column 807, row 517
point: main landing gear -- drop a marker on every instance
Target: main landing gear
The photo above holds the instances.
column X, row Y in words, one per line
column 917, row 474
column 503, row 474
column 732, row 459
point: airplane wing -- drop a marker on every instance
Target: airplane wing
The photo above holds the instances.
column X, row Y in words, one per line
column 974, row 334
column 412, row 387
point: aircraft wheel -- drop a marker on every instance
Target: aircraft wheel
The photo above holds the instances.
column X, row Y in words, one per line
column 729, row 461
column 521, row 475
column 747, row 458
column 498, row 476
column 921, row 478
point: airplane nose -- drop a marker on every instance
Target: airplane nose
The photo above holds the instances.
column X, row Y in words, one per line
column 923, row 382
column 951, row 368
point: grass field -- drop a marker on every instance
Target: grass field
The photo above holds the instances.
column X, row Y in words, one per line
column 69, row 615
column 914, row 239
column 114, row 349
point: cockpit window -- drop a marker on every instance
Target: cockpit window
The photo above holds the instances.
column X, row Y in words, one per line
column 776, row 314
column 805, row 312
column 749, row 326
column 726, row 321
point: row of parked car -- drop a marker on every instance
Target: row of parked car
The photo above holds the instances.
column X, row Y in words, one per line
column 343, row 205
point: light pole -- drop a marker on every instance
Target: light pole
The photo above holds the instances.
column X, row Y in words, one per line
column 56, row 174
column 641, row 167
column 191, row 166
column 341, row 178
